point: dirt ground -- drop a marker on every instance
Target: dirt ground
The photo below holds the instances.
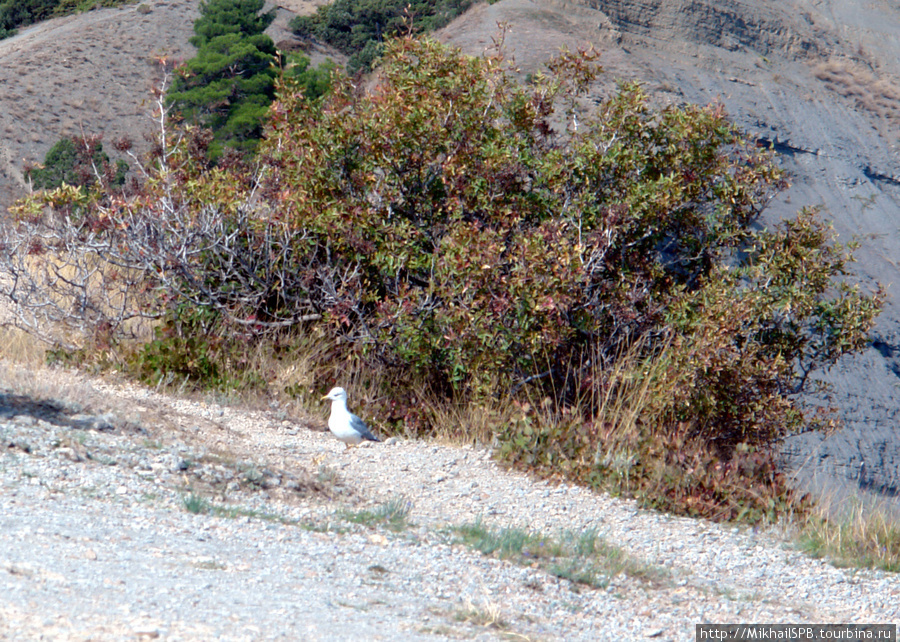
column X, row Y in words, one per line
column 126, row 514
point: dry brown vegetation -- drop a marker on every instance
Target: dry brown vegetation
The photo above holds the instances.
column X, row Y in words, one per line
column 879, row 95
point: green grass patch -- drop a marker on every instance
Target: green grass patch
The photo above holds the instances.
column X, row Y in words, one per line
column 66, row 7
column 338, row 528
column 506, row 543
column 393, row 514
column 583, row 558
column 195, row 504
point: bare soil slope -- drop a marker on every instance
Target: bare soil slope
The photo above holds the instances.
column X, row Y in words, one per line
column 91, row 72
column 130, row 515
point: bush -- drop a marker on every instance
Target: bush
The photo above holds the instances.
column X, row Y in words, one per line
column 313, row 82
column 77, row 162
column 487, row 244
column 488, row 248
column 223, row 17
column 479, row 238
column 21, row 13
column 189, row 350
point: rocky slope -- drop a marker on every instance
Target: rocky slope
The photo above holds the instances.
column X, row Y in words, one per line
column 126, row 514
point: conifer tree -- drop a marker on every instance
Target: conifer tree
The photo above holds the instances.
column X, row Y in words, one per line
column 229, row 85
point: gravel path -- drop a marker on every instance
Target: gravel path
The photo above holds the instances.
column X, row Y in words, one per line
column 97, row 542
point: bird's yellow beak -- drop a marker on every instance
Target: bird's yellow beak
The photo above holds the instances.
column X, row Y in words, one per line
column 325, row 397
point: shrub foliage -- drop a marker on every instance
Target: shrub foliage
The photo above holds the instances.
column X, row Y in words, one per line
column 228, row 86
column 477, row 237
column 77, row 161
column 491, row 240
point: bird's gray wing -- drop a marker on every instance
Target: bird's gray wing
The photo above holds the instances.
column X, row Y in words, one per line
column 360, row 426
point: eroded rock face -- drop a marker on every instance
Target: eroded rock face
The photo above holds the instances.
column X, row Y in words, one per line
column 819, row 83
column 822, row 91
column 770, row 28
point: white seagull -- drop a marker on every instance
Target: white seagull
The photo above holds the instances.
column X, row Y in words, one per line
column 344, row 424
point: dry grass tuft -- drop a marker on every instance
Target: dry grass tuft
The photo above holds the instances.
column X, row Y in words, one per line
column 859, row 533
column 456, row 422
column 42, row 383
column 485, row 612
column 301, row 373
column 21, row 348
column 878, row 95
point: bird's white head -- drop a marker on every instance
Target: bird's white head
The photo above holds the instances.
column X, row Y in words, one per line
column 336, row 394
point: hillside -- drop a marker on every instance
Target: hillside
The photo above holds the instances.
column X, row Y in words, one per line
column 818, row 81
column 92, row 73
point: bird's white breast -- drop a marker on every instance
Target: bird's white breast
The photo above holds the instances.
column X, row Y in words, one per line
column 339, row 425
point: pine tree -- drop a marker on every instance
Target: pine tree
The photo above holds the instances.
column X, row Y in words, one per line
column 229, row 85
column 220, row 17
